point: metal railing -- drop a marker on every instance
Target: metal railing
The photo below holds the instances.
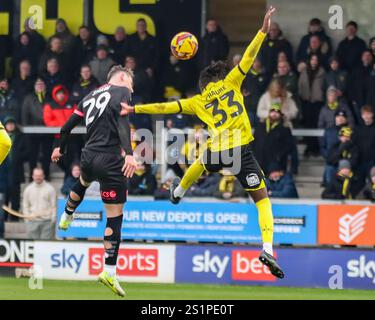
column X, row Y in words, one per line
column 82, row 130
column 161, row 153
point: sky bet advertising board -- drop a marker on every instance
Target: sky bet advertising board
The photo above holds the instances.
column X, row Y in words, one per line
column 85, row 260
column 325, row 268
column 196, row 221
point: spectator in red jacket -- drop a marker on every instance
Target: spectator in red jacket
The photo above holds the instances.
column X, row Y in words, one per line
column 57, row 110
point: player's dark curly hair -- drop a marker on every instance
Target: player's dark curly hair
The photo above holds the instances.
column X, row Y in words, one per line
column 216, row 71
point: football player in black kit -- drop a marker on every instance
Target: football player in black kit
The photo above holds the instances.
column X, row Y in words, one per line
column 102, row 160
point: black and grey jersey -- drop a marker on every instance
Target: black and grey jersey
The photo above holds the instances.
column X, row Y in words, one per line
column 107, row 130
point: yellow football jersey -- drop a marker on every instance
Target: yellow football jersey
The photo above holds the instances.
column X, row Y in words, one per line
column 220, row 106
column 5, row 143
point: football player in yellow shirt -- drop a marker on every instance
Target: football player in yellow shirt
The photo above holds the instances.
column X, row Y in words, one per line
column 220, row 106
column 5, row 143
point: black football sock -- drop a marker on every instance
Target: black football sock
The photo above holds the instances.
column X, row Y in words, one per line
column 112, row 240
column 71, row 205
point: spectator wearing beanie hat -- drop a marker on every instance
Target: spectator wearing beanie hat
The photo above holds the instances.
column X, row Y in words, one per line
column 330, row 139
column 331, row 134
column 333, row 105
column 343, row 149
column 280, row 184
column 341, row 185
column 101, row 64
column 273, row 141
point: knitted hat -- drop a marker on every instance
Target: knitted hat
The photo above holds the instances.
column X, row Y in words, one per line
column 101, row 47
column 331, row 88
column 275, row 166
column 9, row 119
column 346, row 132
column 276, row 106
column 344, row 164
column 60, row 20
column 101, row 39
column 341, row 112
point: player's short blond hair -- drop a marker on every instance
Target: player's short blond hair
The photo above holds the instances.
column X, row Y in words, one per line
column 119, row 68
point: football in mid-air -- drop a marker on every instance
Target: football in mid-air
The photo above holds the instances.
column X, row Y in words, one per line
column 184, row 45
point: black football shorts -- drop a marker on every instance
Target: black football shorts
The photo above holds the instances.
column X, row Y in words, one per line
column 106, row 168
column 241, row 162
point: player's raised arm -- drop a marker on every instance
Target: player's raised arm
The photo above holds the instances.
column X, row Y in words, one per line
column 185, row 106
column 255, row 45
column 252, row 50
column 158, row 108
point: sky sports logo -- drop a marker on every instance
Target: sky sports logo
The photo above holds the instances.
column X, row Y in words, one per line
column 240, row 265
column 130, row 262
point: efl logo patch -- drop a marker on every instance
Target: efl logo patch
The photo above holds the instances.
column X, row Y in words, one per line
column 252, row 180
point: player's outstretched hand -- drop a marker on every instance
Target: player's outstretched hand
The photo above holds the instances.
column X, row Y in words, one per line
column 126, row 109
column 267, row 19
column 56, row 155
column 130, row 166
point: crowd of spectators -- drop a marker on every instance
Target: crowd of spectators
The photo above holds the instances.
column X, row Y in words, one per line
column 317, row 87
column 311, row 86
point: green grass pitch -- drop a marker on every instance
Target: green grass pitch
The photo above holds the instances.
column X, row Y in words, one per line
column 11, row 288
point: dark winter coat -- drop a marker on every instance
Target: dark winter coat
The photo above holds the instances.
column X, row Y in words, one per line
column 214, row 46
column 282, row 188
column 364, row 138
column 32, row 110
column 349, row 52
column 347, row 150
column 271, row 146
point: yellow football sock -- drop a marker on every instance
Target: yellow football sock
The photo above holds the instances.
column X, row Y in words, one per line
column 265, row 218
column 192, row 174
